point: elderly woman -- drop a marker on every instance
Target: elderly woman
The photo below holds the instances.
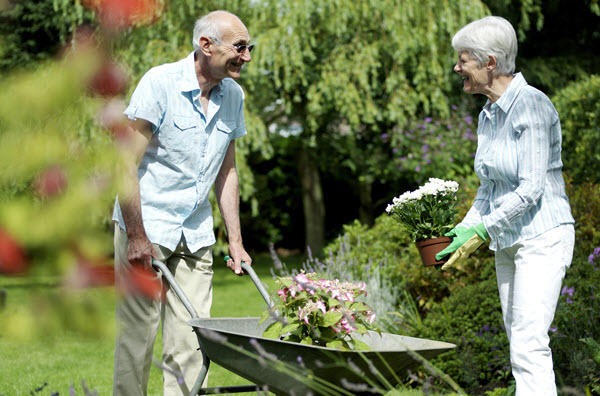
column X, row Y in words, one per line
column 521, row 203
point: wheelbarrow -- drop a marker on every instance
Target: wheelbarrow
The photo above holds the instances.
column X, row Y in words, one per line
column 291, row 368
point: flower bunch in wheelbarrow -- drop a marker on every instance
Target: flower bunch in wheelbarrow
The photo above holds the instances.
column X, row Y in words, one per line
column 320, row 312
column 426, row 214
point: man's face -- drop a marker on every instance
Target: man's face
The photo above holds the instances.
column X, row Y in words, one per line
column 475, row 78
column 226, row 61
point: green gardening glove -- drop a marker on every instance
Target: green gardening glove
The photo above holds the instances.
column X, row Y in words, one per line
column 465, row 240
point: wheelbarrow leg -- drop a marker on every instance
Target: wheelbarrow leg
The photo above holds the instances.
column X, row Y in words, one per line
column 204, row 370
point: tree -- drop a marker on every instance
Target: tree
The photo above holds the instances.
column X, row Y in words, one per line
column 32, row 31
column 347, row 72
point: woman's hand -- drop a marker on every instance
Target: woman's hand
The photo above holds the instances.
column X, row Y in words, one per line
column 465, row 240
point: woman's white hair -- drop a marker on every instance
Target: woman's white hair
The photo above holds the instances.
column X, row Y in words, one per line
column 210, row 25
column 491, row 35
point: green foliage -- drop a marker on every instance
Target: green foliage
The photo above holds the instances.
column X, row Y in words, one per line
column 576, row 327
column 577, row 314
column 32, row 31
column 385, row 245
column 471, row 318
column 401, row 70
column 585, row 205
column 442, row 147
column 578, row 105
column 57, row 170
column 525, row 15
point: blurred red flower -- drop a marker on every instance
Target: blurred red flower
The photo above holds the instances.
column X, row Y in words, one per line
column 110, row 80
column 120, row 14
column 111, row 117
column 12, row 256
column 91, row 273
column 143, row 281
column 50, row 182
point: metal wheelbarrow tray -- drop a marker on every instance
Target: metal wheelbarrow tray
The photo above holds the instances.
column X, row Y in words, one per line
column 290, row 368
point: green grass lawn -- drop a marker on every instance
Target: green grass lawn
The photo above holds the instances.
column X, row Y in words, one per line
column 39, row 349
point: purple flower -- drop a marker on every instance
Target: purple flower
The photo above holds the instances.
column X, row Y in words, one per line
column 567, row 290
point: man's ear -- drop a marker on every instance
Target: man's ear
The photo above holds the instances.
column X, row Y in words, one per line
column 205, row 44
column 491, row 64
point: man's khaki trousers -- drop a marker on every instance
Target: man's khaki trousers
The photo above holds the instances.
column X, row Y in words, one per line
column 138, row 320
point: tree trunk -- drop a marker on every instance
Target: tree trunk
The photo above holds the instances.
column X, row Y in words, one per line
column 312, row 201
column 365, row 211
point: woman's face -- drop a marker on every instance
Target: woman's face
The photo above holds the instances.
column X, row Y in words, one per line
column 476, row 80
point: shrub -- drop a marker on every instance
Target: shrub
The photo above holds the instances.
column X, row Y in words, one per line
column 442, row 148
column 471, row 318
column 576, row 326
column 578, row 105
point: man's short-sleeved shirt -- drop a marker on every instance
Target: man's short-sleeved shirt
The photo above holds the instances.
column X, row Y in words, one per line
column 185, row 153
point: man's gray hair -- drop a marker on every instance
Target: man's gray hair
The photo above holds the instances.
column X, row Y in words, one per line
column 210, row 25
column 491, row 35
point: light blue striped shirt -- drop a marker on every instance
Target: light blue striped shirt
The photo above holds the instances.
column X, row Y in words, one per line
column 522, row 191
column 185, row 153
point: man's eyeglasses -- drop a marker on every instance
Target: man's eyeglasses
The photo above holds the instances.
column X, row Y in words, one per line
column 242, row 47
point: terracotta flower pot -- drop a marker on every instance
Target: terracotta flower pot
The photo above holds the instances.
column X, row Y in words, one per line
column 428, row 248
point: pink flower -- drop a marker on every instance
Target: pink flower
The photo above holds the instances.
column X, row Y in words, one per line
column 282, row 293
column 335, row 293
column 347, row 296
column 321, row 306
column 370, row 317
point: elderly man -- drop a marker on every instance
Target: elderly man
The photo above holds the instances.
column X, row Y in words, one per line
column 185, row 117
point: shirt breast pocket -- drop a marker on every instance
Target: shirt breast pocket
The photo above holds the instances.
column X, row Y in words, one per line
column 180, row 136
column 223, row 133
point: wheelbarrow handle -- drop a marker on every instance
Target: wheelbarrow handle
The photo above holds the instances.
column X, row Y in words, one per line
column 259, row 285
column 175, row 287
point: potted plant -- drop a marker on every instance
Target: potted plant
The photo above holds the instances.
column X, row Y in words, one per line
column 427, row 214
column 320, row 312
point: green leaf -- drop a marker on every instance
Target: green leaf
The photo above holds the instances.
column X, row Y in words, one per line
column 264, row 316
column 290, row 327
column 333, row 302
column 330, row 318
column 593, row 348
column 360, row 328
column 273, row 331
column 358, row 345
column 335, row 344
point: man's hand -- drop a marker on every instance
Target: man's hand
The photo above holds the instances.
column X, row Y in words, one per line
column 465, row 240
column 238, row 254
column 140, row 252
